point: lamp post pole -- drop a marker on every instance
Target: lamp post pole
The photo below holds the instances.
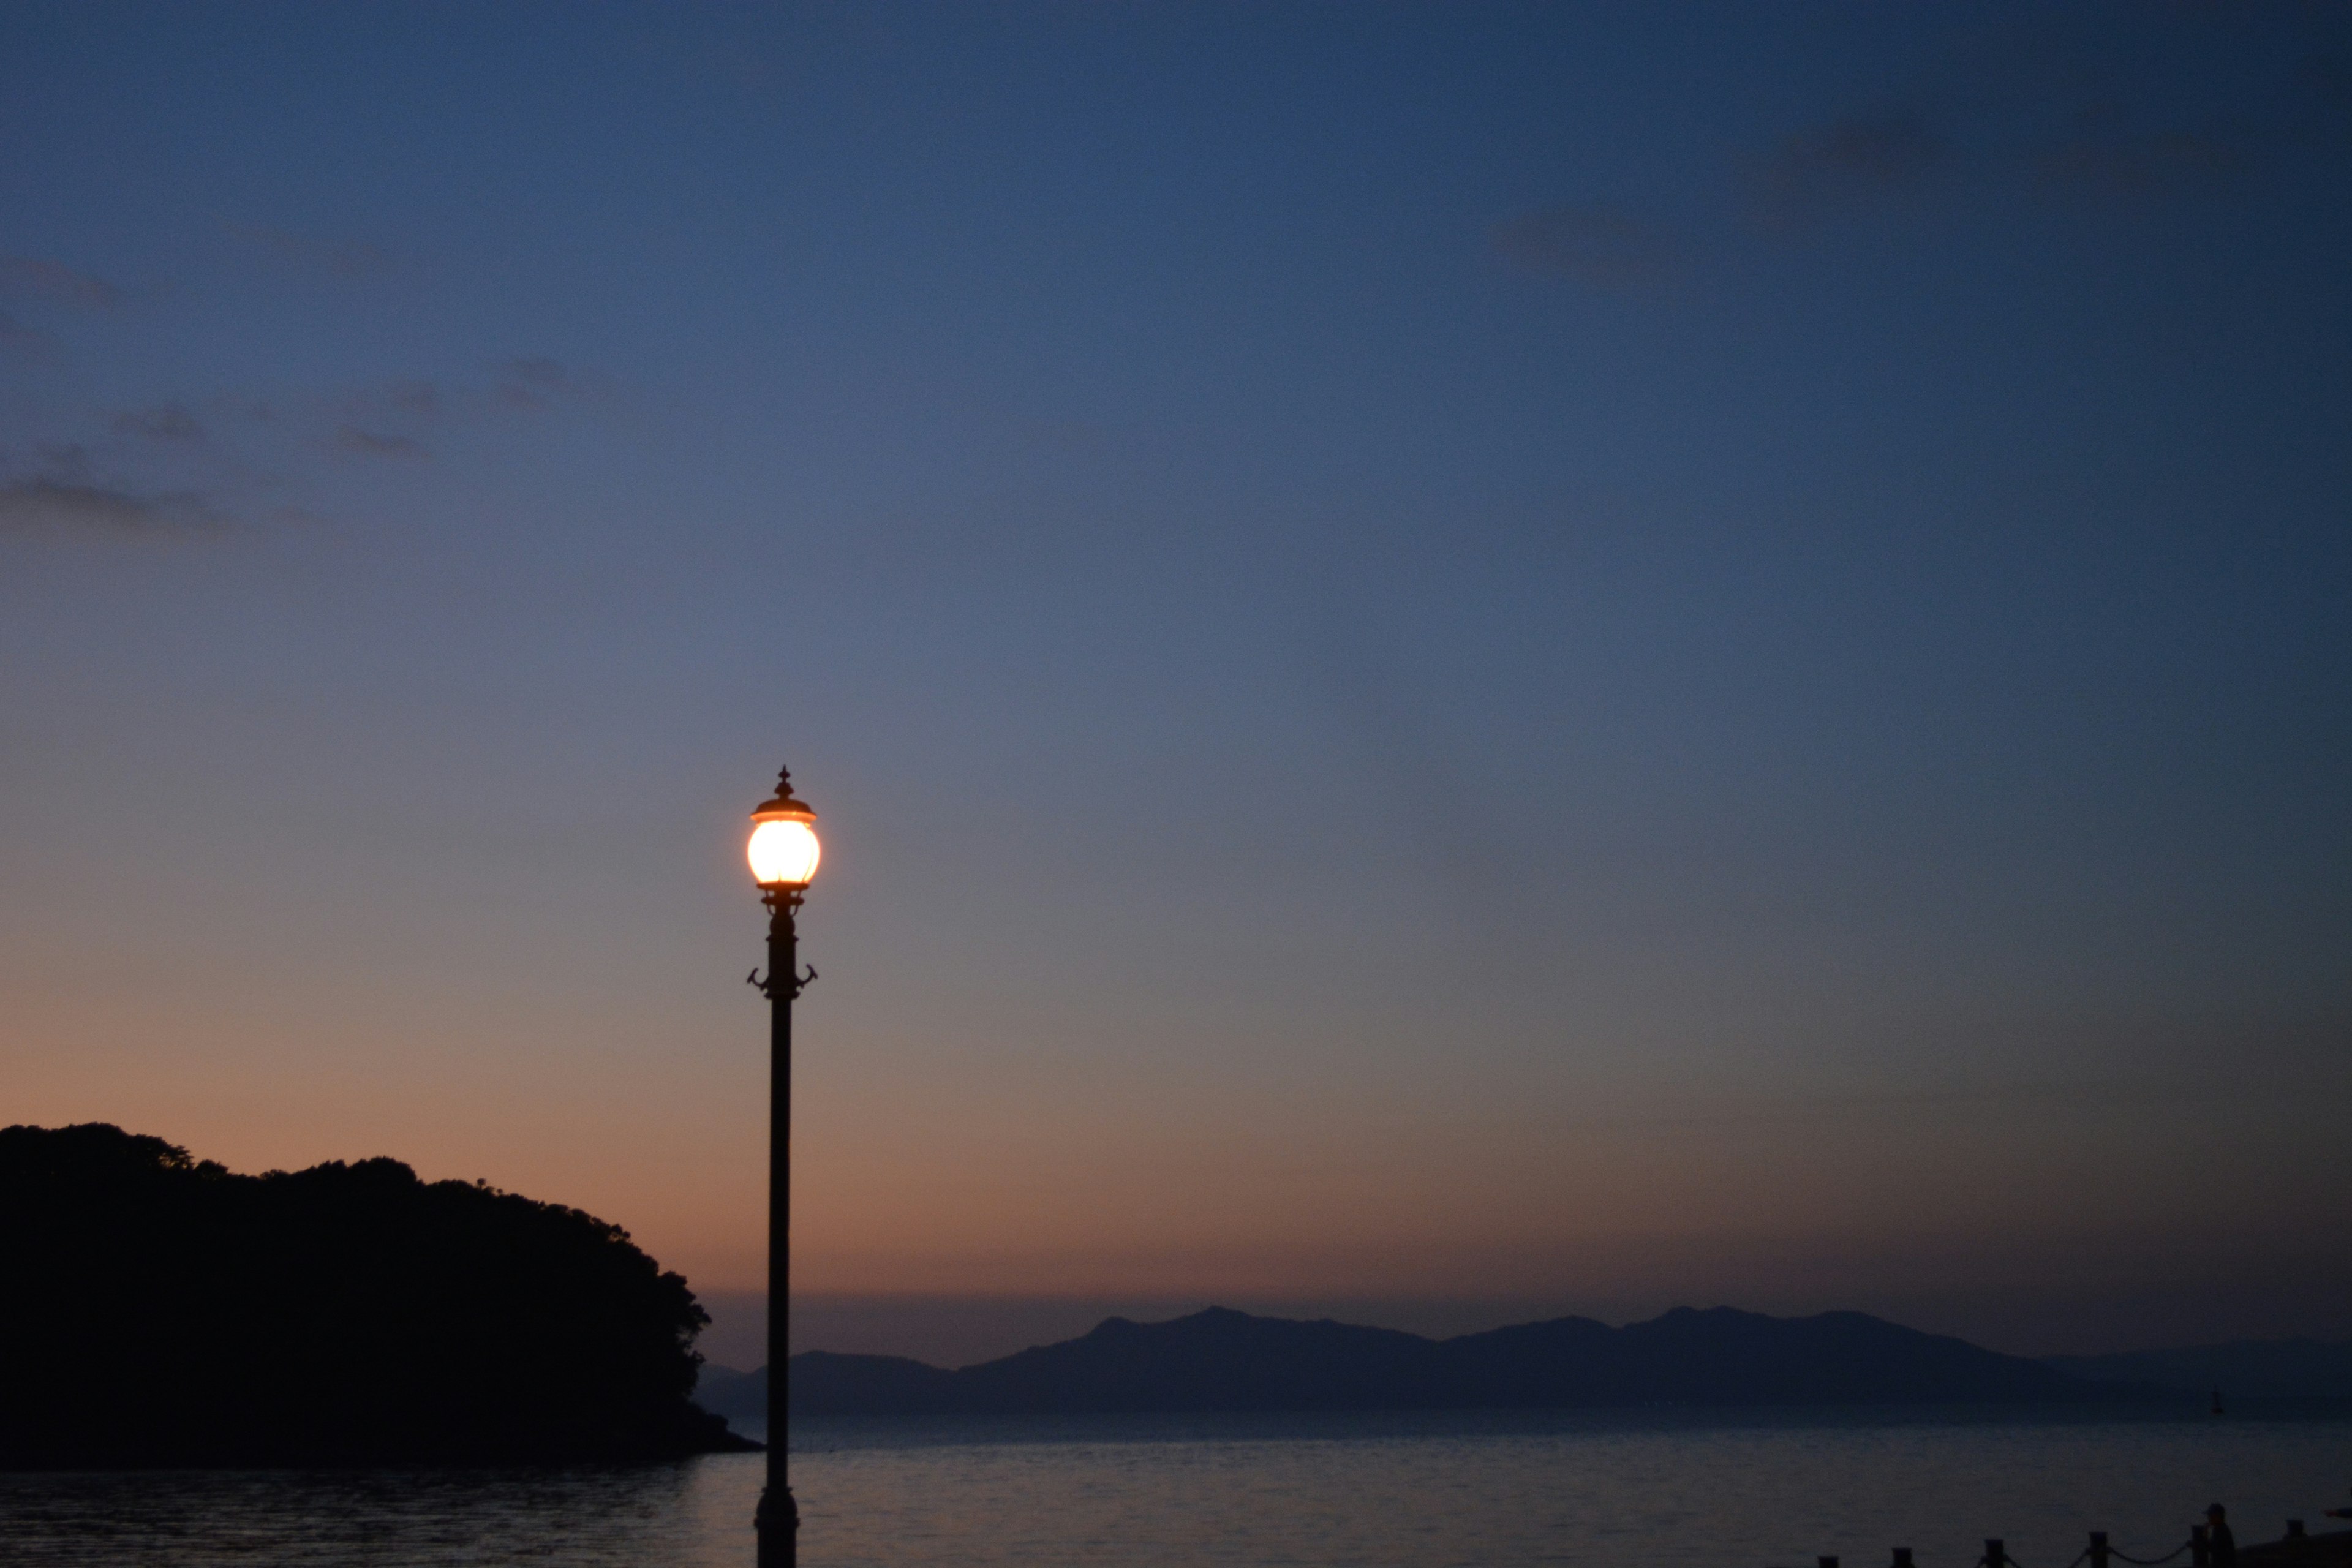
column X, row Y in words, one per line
column 783, row 855
column 778, row 1520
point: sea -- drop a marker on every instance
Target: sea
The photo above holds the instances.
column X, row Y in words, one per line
column 1675, row 1488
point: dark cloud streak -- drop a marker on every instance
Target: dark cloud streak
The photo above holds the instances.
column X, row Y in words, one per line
column 31, row 276
column 45, row 505
column 1846, row 164
column 165, row 422
column 2169, row 164
column 530, row 381
column 368, row 444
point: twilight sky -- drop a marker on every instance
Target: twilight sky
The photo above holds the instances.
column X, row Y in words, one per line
column 1460, row 661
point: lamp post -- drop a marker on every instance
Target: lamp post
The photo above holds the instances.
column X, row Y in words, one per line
column 784, row 855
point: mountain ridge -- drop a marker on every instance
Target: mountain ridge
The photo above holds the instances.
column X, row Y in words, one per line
column 1221, row 1359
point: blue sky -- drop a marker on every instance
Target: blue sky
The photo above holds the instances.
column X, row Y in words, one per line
column 1457, row 660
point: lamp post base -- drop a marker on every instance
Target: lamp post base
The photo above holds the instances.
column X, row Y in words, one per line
column 779, row 1524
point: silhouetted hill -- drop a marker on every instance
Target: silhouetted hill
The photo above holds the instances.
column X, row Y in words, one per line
column 2276, row 1369
column 162, row 1312
column 1224, row 1359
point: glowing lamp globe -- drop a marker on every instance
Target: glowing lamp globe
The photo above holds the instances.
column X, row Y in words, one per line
column 784, row 848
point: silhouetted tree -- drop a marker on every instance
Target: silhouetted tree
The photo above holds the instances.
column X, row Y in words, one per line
column 157, row 1310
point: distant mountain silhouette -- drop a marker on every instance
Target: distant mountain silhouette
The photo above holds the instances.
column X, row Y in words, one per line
column 2259, row 1369
column 723, row 1391
column 162, row 1312
column 1225, row 1359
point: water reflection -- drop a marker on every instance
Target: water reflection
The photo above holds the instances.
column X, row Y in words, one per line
column 692, row 1514
column 1662, row 1490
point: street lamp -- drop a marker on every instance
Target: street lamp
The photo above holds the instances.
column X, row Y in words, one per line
column 783, row 855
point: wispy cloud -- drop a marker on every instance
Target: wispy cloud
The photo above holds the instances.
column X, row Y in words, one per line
column 2170, row 163
column 27, row 275
column 368, row 444
column 2051, row 113
column 46, row 505
column 1603, row 247
column 329, row 258
column 528, row 382
column 164, row 422
column 1847, row 163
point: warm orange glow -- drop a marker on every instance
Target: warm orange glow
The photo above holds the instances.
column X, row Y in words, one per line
column 782, row 851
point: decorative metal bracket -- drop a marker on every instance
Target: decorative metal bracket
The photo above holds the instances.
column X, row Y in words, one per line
column 769, row 987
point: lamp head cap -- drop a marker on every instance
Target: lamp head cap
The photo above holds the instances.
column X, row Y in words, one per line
column 783, row 806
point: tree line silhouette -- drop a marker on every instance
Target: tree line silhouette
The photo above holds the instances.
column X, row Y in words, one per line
column 160, row 1310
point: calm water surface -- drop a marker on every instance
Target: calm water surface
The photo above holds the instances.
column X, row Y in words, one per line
column 1677, row 1491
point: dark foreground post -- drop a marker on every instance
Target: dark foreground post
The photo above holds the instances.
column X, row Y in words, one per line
column 1996, row 1554
column 2201, row 1547
column 783, row 855
column 2098, row 1549
column 1901, row 1557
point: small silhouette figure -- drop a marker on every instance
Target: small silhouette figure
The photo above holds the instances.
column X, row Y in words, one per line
column 2217, row 1532
column 2217, row 1402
